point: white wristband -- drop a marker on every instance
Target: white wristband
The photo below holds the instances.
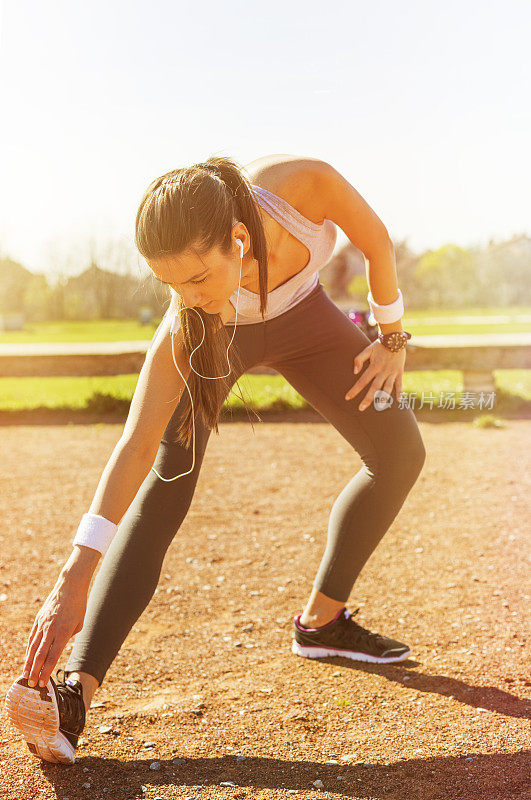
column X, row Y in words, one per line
column 95, row 531
column 388, row 313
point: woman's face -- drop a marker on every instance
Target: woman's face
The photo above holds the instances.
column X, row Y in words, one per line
column 209, row 281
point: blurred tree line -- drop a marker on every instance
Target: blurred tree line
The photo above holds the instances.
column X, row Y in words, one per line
column 116, row 285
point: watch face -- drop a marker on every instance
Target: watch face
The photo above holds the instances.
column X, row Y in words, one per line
column 394, row 341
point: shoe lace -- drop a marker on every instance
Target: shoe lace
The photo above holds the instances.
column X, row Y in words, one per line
column 71, row 710
column 349, row 625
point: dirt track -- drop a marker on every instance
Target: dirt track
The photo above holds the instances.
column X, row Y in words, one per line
column 450, row 578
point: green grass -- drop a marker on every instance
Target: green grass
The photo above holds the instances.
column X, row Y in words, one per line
column 262, row 392
column 426, row 322
column 488, row 421
column 421, row 329
column 105, row 330
column 484, row 311
column 418, row 322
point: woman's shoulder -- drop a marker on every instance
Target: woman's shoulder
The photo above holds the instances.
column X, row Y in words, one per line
column 290, row 177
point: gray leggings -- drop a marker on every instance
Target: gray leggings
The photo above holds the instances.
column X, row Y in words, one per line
column 313, row 346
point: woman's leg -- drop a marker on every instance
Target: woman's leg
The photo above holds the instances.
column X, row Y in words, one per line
column 313, row 345
column 130, row 570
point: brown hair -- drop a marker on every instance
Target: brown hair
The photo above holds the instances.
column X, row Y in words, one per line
column 194, row 208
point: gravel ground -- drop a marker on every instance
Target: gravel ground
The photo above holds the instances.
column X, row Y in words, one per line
column 205, row 698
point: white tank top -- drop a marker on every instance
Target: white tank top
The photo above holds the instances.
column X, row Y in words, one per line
column 320, row 239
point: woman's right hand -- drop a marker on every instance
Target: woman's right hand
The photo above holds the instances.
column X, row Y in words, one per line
column 60, row 618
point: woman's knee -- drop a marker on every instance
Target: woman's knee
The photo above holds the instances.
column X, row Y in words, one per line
column 412, row 452
column 402, row 452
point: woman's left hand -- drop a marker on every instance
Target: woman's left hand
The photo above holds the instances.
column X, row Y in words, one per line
column 385, row 369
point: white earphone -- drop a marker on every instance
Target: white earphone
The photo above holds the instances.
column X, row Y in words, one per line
column 173, row 330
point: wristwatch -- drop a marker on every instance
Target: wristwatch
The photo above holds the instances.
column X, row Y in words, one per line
column 394, row 341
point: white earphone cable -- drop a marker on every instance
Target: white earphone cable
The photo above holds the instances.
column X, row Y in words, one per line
column 208, row 377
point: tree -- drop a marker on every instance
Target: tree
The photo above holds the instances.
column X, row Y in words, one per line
column 448, row 276
column 38, row 299
column 14, row 278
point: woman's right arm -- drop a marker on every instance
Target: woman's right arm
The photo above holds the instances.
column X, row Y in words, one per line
column 157, row 393
column 156, row 396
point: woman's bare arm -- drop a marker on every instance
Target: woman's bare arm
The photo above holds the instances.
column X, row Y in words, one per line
column 157, row 393
column 156, row 396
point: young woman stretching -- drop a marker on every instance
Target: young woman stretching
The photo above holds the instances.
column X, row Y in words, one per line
column 241, row 257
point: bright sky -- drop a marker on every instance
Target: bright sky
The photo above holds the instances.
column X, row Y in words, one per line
column 422, row 105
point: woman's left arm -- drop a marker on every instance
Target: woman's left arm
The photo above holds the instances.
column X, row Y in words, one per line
column 346, row 207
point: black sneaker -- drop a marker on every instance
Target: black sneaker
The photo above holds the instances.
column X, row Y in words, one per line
column 49, row 717
column 344, row 637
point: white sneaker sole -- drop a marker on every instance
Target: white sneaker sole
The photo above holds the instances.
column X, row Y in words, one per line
column 322, row 652
column 34, row 711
